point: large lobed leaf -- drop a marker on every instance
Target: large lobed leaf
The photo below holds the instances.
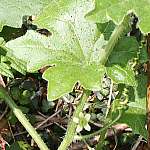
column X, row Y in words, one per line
column 71, row 48
column 12, row 12
column 75, row 48
column 116, row 9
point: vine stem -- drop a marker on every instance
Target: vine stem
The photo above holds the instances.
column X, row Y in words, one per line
column 21, row 117
column 122, row 28
column 71, row 130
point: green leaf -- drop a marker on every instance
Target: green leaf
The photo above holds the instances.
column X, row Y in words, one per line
column 135, row 115
column 117, row 64
column 12, row 12
column 34, row 50
column 8, row 61
column 121, row 74
column 5, row 70
column 125, row 50
column 138, row 98
column 143, row 57
column 63, row 77
column 71, row 49
column 106, row 28
column 17, row 64
column 116, row 9
column 20, row 145
column 136, row 118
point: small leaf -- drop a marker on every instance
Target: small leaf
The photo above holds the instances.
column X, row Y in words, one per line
column 121, row 74
column 136, row 114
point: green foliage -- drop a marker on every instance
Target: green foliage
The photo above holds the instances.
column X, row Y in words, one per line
column 106, row 28
column 71, row 48
column 118, row 63
column 5, row 70
column 20, row 145
column 4, row 67
column 46, row 105
column 14, row 10
column 116, row 9
column 134, row 114
column 121, row 75
column 8, row 62
column 77, row 54
column 77, row 50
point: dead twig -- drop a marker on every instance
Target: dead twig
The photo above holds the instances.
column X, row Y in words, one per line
column 4, row 113
column 11, row 131
column 43, row 122
column 2, row 83
column 137, row 143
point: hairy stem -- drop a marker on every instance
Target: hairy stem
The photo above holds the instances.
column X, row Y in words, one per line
column 71, row 130
column 119, row 31
column 21, row 117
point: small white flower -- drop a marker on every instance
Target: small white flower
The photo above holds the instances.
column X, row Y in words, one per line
column 75, row 119
column 88, row 116
column 87, row 127
column 82, row 122
column 81, row 115
column 79, row 128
